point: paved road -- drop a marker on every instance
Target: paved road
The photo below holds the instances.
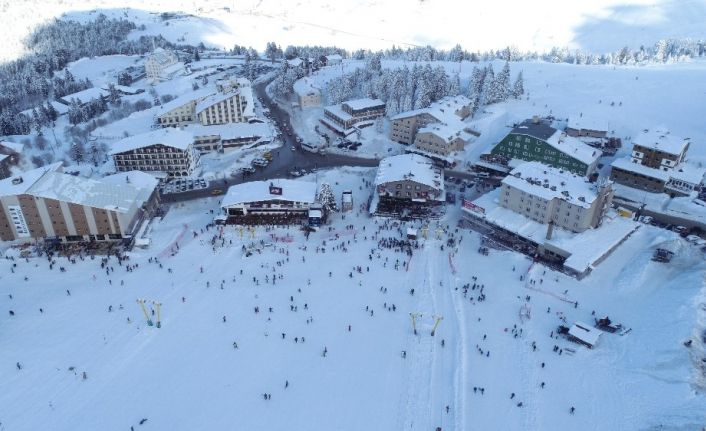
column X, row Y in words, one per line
column 285, row 159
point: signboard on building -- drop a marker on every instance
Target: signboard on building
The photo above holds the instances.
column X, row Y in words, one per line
column 473, row 207
column 276, row 190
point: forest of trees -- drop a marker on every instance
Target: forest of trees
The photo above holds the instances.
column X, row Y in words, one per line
column 29, row 81
column 405, row 88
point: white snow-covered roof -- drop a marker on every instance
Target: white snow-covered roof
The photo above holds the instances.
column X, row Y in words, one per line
column 162, row 56
column 363, row 103
column 184, row 99
column 334, row 57
column 13, row 146
column 549, row 183
column 688, row 173
column 585, row 249
column 447, row 132
column 443, row 109
column 588, row 123
column 573, row 147
column 305, row 86
column 143, row 181
column 122, row 88
column 172, row 69
column 296, row 62
column 3, row 157
column 60, row 108
column 231, row 130
column 412, row 167
column 215, row 98
column 83, row 191
column 257, row 191
column 85, row 96
column 661, row 140
column 585, row 333
column 626, row 164
column 169, row 137
column 8, row 188
column 338, row 112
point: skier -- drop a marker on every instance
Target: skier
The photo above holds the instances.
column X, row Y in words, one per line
column 572, row 410
column 286, row 384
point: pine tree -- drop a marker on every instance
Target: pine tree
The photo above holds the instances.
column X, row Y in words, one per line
column 500, row 87
column 327, row 198
column 454, row 88
column 486, row 92
column 518, row 89
column 51, row 111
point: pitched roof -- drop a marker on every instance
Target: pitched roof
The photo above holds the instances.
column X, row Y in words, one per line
column 85, row 96
column 661, row 140
column 169, row 137
column 257, row 191
column 28, row 178
column 13, row 146
column 549, row 183
column 83, row 191
column 184, row 99
column 573, row 147
column 412, row 167
column 363, row 103
column 215, row 98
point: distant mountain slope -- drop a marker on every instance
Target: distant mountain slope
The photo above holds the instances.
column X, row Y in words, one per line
column 599, row 25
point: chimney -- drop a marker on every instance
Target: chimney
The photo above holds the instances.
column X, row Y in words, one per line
column 550, row 230
column 17, row 180
column 535, row 119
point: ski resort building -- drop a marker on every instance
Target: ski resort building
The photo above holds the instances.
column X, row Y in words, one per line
column 449, row 110
column 333, row 60
column 168, row 151
column 537, row 140
column 550, row 215
column 342, row 118
column 308, row 96
column 162, row 65
column 182, row 110
column 226, row 85
column 548, row 195
column 657, row 164
column 407, row 184
column 440, row 140
column 46, row 203
column 223, row 108
column 83, row 96
column 279, row 201
column 228, row 136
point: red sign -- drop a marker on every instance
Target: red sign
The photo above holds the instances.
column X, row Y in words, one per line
column 275, row 190
column 473, row 207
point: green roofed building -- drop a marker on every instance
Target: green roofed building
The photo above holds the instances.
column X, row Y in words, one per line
column 536, row 140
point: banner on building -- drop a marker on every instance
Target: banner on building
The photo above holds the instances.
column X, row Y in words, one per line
column 473, row 207
column 275, row 190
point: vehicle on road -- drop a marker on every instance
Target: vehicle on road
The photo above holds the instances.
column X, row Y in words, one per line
column 216, row 192
column 293, row 148
column 267, row 155
column 295, row 173
column 260, row 161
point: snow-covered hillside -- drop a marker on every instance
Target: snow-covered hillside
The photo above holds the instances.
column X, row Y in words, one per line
column 331, row 340
column 599, row 26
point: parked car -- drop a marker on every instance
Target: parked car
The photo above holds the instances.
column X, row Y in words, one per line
column 295, row 173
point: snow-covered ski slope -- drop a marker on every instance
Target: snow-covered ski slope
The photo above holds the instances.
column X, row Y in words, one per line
column 189, row 375
column 600, row 25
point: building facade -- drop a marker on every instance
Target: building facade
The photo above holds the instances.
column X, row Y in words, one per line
column 404, row 126
column 310, row 98
column 659, row 149
column 341, row 118
column 657, row 164
column 161, row 64
column 549, row 195
column 182, row 110
column 226, row 108
column 4, row 166
column 168, row 151
column 410, row 177
column 47, row 204
column 440, row 140
column 536, row 140
column 269, row 202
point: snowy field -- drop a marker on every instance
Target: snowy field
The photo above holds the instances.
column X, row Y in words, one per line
column 599, row 25
column 189, row 373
